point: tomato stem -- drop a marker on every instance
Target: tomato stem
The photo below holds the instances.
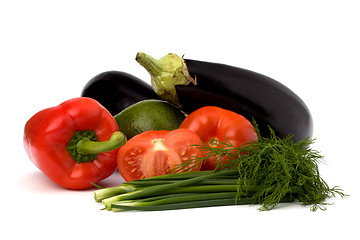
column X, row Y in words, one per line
column 214, row 142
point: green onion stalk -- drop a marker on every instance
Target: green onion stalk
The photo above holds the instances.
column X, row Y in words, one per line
column 267, row 172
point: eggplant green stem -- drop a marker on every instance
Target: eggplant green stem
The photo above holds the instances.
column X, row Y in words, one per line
column 152, row 65
column 166, row 73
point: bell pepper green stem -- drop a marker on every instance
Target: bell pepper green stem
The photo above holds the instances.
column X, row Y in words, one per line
column 87, row 146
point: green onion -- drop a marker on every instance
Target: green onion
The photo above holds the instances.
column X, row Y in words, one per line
column 156, row 189
column 196, row 190
column 104, row 193
column 267, row 172
column 188, row 201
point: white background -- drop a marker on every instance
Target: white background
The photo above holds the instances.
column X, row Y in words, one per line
column 50, row 49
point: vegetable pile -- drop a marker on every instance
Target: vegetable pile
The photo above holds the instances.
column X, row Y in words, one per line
column 246, row 139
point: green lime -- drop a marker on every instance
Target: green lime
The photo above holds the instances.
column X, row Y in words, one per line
column 148, row 115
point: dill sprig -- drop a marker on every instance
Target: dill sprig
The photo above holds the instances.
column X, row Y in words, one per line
column 279, row 167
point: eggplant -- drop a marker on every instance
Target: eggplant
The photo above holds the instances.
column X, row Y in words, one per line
column 117, row 90
column 253, row 95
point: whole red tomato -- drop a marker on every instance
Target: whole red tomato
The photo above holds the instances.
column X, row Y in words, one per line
column 154, row 153
column 214, row 125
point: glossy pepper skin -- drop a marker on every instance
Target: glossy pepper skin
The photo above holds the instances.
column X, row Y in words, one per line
column 47, row 135
column 117, row 90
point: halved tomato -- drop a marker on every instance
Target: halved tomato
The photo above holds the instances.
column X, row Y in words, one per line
column 154, row 153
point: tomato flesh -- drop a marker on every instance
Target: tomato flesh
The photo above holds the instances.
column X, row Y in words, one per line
column 214, row 125
column 155, row 153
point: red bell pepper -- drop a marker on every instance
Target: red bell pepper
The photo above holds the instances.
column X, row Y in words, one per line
column 75, row 143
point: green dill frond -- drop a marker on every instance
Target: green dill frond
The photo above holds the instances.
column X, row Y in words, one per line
column 279, row 167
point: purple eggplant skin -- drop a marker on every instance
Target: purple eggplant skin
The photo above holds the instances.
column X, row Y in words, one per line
column 253, row 95
column 117, row 90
